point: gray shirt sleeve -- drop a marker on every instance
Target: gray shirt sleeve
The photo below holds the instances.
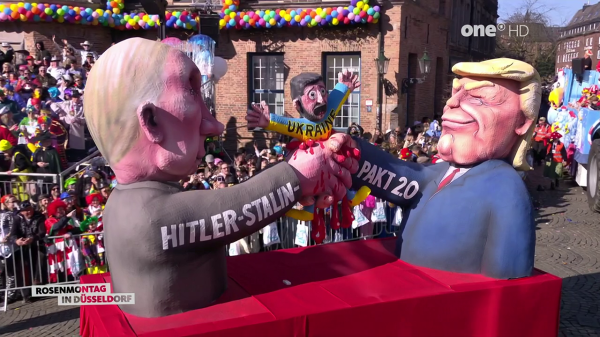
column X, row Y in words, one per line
column 213, row 218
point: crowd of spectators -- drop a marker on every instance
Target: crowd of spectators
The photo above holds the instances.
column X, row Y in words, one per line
column 48, row 233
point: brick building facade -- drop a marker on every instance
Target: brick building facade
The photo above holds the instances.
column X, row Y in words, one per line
column 261, row 63
column 581, row 34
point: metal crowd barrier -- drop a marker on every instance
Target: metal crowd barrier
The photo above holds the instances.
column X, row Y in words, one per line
column 52, row 260
column 25, row 185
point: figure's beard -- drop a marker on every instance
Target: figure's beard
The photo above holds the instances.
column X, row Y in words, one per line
column 316, row 115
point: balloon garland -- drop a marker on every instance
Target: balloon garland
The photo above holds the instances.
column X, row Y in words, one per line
column 110, row 17
column 356, row 13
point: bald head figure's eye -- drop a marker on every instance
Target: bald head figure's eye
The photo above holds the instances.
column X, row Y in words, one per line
column 195, row 82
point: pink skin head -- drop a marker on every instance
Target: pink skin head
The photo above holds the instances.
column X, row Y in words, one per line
column 173, row 129
column 314, row 100
column 482, row 124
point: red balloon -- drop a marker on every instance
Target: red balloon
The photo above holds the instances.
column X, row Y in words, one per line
column 184, row 13
column 183, row 18
column 346, row 21
column 363, row 14
column 370, row 19
column 277, row 11
column 42, row 15
column 22, row 10
column 77, row 17
column 29, row 16
column 340, row 17
column 168, row 16
column 256, row 17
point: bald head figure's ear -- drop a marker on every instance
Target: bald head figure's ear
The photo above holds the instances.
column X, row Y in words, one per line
column 523, row 128
column 146, row 113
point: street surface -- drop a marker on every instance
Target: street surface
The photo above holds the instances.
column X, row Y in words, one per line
column 568, row 236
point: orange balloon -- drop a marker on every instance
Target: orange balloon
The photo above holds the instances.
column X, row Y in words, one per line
column 15, row 15
column 313, row 14
column 329, row 10
column 251, row 22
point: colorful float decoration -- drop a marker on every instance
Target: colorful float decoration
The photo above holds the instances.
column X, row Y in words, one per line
column 358, row 12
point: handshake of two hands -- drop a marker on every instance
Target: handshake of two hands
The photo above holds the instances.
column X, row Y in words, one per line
column 324, row 169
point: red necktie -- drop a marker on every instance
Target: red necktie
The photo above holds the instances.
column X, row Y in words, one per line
column 448, row 179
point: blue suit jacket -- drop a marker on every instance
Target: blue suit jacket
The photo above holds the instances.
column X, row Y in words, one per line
column 481, row 223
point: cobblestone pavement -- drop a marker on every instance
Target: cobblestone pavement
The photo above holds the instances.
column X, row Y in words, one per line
column 568, row 236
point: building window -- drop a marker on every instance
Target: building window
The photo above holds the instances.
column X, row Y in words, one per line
column 598, row 55
column 267, row 76
column 333, row 65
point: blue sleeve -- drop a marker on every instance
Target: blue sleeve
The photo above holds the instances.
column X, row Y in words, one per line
column 388, row 177
column 510, row 246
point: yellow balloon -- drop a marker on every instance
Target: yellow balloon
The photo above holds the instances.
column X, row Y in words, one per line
column 108, row 12
column 116, row 10
column 228, row 2
column 335, row 21
column 1, row 7
column 127, row 18
column 61, row 19
column 34, row 4
column 13, row 7
column 23, row 17
column 20, row 4
column 222, row 23
column 282, row 12
column 76, row 9
column 365, row 7
column 232, row 15
column 359, row 4
column 319, row 10
column 268, row 11
column 375, row 20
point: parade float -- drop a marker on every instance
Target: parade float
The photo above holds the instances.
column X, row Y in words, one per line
column 185, row 285
column 575, row 114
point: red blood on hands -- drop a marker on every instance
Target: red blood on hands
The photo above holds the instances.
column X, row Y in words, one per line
column 347, row 215
column 293, row 145
column 335, row 218
column 317, row 232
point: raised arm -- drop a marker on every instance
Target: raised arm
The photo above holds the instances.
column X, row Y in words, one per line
column 218, row 217
column 388, row 177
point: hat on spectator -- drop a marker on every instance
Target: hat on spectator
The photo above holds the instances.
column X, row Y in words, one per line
column 87, row 222
column 93, row 196
column 35, row 101
column 9, row 87
column 23, row 67
column 55, row 59
column 405, row 153
column 86, row 43
column 218, row 161
column 5, row 145
column 70, row 181
column 209, row 158
column 53, row 92
column 29, row 58
column 5, row 44
column 89, row 55
column 76, row 94
column 67, row 77
column 25, row 205
column 44, row 196
column 54, row 206
column 65, row 195
column 4, row 199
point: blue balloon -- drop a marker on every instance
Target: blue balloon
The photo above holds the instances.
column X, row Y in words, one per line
column 328, row 18
column 268, row 25
column 261, row 13
column 232, row 22
column 89, row 18
column 7, row 11
column 27, row 6
column 293, row 13
column 232, row 8
column 282, row 21
column 169, row 23
column 53, row 8
column 179, row 23
column 65, row 8
column 36, row 18
column 88, row 10
column 334, row 14
column 193, row 23
column 277, row 17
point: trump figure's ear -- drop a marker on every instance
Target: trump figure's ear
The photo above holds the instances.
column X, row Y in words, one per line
column 149, row 123
column 524, row 127
column 298, row 105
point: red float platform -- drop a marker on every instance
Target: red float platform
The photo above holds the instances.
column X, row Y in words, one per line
column 348, row 289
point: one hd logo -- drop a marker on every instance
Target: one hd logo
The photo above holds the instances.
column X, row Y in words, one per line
column 491, row 30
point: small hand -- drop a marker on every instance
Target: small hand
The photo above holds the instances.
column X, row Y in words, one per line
column 65, row 42
column 8, row 172
column 347, row 78
column 67, row 236
column 71, row 214
column 258, row 115
column 54, row 38
column 40, row 164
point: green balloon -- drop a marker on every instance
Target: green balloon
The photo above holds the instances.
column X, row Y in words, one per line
column 246, row 18
column 48, row 11
column 376, row 15
column 356, row 11
column 60, row 11
column 227, row 11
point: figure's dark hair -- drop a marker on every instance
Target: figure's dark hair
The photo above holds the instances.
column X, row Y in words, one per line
column 298, row 83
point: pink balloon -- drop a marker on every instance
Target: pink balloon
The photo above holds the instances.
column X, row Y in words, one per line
column 3, row 17
column 128, row 26
column 261, row 22
column 183, row 18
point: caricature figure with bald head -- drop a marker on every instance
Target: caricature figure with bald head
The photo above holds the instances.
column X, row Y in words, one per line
column 471, row 213
column 167, row 246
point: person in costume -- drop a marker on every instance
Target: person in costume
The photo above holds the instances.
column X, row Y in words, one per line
column 487, row 125
column 152, row 134
column 555, row 160
column 61, row 225
column 58, row 133
column 45, row 157
column 71, row 201
column 18, row 156
column 95, row 204
column 92, row 246
column 540, row 140
column 71, row 112
column 318, row 110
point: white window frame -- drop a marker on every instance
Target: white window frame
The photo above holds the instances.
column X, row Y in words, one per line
column 334, row 63
column 269, row 70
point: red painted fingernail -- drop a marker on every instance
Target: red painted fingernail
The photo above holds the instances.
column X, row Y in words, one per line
column 356, row 153
column 340, row 158
column 302, row 146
